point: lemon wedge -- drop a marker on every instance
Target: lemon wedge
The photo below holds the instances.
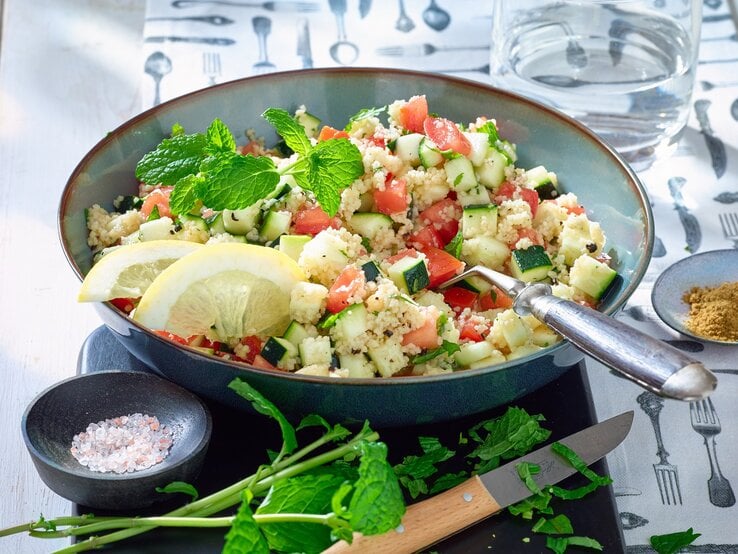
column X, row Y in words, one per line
column 224, row 291
column 127, row 271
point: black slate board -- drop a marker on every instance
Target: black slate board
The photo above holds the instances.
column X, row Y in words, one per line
column 240, row 441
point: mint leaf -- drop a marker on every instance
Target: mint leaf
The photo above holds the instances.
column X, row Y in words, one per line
column 446, row 347
column 264, row 406
column 244, row 535
column 412, row 471
column 574, row 494
column 290, row 130
column 673, row 542
column 154, row 215
column 179, row 486
column 448, row 480
column 558, row 525
column 560, row 544
column 314, row 420
column 238, row 182
column 364, row 114
column 184, row 195
column 177, row 129
column 173, row 159
column 536, row 504
column 526, row 471
column 219, row 138
column 376, row 505
column 577, row 463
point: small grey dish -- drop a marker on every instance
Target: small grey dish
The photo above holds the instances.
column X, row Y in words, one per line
column 706, row 269
column 68, row 407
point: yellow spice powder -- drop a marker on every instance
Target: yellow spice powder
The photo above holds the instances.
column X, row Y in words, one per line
column 713, row 311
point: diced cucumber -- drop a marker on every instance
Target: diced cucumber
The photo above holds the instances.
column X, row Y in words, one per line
column 277, row 349
column 124, row 203
column 367, row 202
column 479, row 219
column 496, row 358
column 194, row 220
column 525, row 350
column 276, row 223
column 357, row 365
column 473, row 352
column 295, row 333
column 530, row 264
column 408, row 147
column 479, row 147
column 388, row 358
column 491, row 172
column 240, row 222
column 369, row 224
column 309, row 122
column 507, row 149
column 460, row 174
column 315, row 351
column 576, row 239
column 486, row 251
column 543, row 182
column 351, row 323
column 371, row 271
column 215, row 224
column 476, row 195
column 328, row 249
column 544, row 336
column 284, row 186
column 429, row 154
column 409, row 274
column 591, row 276
column 292, row 245
column 156, row 229
column 514, row 330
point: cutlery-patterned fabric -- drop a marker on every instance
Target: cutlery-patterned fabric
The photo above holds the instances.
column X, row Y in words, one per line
column 674, row 471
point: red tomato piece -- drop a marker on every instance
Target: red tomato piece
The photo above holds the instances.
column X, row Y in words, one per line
column 328, row 132
column 347, row 285
column 254, row 344
column 427, row 236
column 459, row 298
column 494, row 299
column 509, row 190
column 261, row 363
column 253, row 147
column 425, row 336
column 412, row 115
column 529, row 233
column 470, row 332
column 313, row 220
column 411, row 252
column 393, row 199
column 441, row 265
column 158, row 197
column 172, row 337
column 124, row 304
column 531, row 197
column 378, row 141
column 444, row 215
column 576, row 210
column 446, row 135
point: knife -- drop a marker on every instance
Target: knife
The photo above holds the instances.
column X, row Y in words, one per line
column 215, row 41
column 427, row 522
column 303, row 44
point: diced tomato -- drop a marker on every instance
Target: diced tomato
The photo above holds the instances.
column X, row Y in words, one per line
column 508, row 190
column 407, row 252
column 124, row 304
column 446, row 135
column 214, row 344
column 470, row 332
column 378, row 141
column 505, row 191
column 529, row 233
column 427, row 236
column 261, row 363
column 158, row 197
column 494, row 299
column 172, row 337
column 425, row 336
column 251, row 147
column 328, row 132
column 412, row 115
column 576, row 210
column 459, row 298
column 350, row 283
column 441, row 265
column 254, row 344
column 444, row 215
column 313, row 220
column 531, row 197
column 393, row 199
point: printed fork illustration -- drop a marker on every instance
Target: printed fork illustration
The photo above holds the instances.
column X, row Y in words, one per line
column 729, row 223
column 705, row 422
column 211, row 66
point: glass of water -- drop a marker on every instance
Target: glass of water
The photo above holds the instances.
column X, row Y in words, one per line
column 624, row 68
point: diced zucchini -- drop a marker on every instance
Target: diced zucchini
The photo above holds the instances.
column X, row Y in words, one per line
column 476, row 284
column 292, row 245
column 276, row 223
column 194, row 220
column 479, row 147
column 357, row 365
column 156, row 229
column 491, row 172
column 240, row 222
column 507, row 149
column 473, row 352
column 369, row 224
column 429, row 154
column 371, row 271
column 543, row 182
column 525, row 350
column 496, row 358
column 284, row 186
column 460, row 174
column 544, row 336
column 530, row 264
column 351, row 323
column 576, row 238
column 309, row 122
column 591, row 276
column 215, row 224
column 295, row 333
column 388, row 357
column 486, row 251
column 124, row 203
column 327, row 248
column 277, row 349
column 475, row 196
column 409, row 274
column 514, row 330
column 479, row 219
column 408, row 147
column 315, row 351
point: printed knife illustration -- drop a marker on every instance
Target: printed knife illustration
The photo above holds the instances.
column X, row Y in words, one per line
column 692, row 230
column 427, row 522
column 303, row 44
column 714, row 145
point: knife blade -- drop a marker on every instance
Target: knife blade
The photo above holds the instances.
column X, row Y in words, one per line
column 364, row 7
column 215, row 41
column 303, row 44
column 427, row 522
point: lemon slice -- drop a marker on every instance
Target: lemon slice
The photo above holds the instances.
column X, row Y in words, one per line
column 224, row 291
column 127, row 271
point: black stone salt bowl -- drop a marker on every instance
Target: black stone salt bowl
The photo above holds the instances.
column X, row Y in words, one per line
column 68, row 407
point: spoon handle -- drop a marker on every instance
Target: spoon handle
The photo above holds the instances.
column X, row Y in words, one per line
column 651, row 363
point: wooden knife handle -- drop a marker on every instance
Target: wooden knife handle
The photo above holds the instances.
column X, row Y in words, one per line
column 427, row 522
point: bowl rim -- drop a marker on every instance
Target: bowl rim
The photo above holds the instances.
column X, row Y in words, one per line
column 145, row 474
column 633, row 180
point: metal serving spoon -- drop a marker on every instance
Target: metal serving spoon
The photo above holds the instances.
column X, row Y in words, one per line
column 652, row 364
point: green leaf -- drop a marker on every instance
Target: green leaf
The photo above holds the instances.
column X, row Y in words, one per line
column 173, row 159
column 673, row 542
column 558, row 525
column 448, row 481
column 219, row 138
column 446, row 347
column 414, row 469
column 491, row 130
column 573, row 458
column 364, row 114
column 314, row 420
column 536, row 504
column 238, row 182
column 177, row 129
column 454, row 247
column 574, row 494
column 290, row 130
column 179, row 486
column 376, row 505
column 526, row 471
column 264, row 406
column 560, row 544
column 244, row 536
column 154, row 215
column 184, row 195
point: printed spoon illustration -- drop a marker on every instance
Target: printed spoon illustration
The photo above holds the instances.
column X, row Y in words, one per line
column 714, row 145
column 342, row 51
column 404, row 23
column 157, row 65
column 730, row 197
column 734, row 109
column 692, row 230
column 436, row 17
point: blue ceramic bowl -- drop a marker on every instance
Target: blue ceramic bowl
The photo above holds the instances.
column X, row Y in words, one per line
column 585, row 166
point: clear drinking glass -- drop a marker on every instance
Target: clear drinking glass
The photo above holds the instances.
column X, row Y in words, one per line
column 624, row 68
